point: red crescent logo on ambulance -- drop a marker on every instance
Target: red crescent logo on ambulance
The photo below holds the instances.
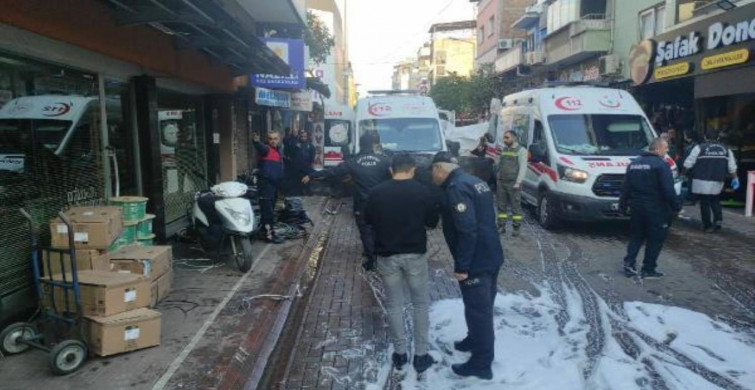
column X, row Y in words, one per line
column 56, row 109
column 568, row 103
column 379, row 109
column 608, row 102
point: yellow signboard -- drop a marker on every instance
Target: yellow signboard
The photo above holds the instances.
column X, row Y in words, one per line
column 665, row 72
column 726, row 59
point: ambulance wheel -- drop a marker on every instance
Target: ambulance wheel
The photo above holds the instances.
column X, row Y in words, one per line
column 68, row 356
column 11, row 336
column 546, row 211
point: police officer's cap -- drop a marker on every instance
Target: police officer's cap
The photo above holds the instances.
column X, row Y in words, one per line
column 445, row 157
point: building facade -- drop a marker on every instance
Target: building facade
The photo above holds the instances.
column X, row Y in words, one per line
column 452, row 49
column 101, row 99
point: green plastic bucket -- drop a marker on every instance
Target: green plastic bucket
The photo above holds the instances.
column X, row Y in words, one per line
column 146, row 241
column 134, row 207
column 144, row 229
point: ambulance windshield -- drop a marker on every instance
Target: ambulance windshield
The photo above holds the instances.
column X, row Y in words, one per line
column 405, row 134
column 594, row 134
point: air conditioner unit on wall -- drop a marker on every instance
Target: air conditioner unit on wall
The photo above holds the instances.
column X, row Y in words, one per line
column 505, row 44
column 609, row 65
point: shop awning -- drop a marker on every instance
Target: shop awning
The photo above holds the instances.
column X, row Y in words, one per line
column 317, row 85
column 205, row 26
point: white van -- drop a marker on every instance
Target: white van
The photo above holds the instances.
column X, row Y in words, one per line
column 340, row 134
column 580, row 142
column 406, row 123
column 58, row 121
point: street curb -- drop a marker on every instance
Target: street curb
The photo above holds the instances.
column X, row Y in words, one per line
column 247, row 368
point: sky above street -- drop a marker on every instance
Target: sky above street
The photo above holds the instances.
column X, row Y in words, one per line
column 382, row 33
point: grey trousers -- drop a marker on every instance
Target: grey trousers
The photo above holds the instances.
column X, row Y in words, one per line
column 402, row 274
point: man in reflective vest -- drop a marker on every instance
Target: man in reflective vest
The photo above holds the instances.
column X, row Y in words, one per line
column 711, row 161
column 511, row 169
column 270, row 177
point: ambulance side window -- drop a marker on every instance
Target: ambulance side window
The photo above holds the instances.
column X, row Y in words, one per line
column 521, row 126
column 539, row 146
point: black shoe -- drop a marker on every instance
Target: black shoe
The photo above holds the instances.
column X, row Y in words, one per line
column 466, row 369
column 368, row 265
column 652, row 274
column 271, row 237
column 717, row 227
column 399, row 360
column 630, row 270
column 463, row 345
column 708, row 229
column 422, row 363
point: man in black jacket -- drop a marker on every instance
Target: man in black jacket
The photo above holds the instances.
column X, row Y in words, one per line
column 399, row 210
column 368, row 169
column 651, row 200
column 300, row 155
column 469, row 227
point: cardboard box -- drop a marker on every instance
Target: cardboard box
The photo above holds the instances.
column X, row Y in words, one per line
column 151, row 262
column 93, row 227
column 161, row 288
column 86, row 260
column 123, row 332
column 104, row 293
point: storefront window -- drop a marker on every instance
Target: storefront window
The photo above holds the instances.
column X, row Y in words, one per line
column 49, row 154
column 121, row 139
column 182, row 150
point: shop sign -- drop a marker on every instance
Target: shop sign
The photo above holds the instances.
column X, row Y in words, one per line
column 291, row 51
column 669, row 71
column 726, row 59
column 680, row 47
column 301, row 101
column 269, row 97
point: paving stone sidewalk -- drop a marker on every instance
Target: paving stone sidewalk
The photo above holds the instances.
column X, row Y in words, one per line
column 343, row 337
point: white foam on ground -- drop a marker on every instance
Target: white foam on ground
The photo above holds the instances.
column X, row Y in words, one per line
column 531, row 353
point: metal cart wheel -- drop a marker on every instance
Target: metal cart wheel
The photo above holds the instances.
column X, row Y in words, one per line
column 10, row 337
column 68, row 356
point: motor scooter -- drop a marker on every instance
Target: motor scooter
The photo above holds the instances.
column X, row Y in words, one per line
column 222, row 216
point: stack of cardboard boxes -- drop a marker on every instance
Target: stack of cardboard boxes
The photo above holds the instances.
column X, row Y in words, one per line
column 117, row 286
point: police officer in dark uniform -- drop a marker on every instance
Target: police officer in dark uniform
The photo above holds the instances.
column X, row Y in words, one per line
column 469, row 227
column 367, row 170
column 271, row 175
column 649, row 197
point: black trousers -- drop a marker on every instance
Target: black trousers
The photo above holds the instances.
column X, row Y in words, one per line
column 478, row 294
column 650, row 227
column 710, row 203
column 268, row 192
column 367, row 234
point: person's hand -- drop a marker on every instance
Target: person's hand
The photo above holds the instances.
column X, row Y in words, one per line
column 517, row 186
column 256, row 137
column 461, row 276
column 735, row 184
column 305, row 180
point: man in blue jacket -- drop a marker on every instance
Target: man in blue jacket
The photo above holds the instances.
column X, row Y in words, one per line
column 651, row 201
column 270, row 164
column 469, row 227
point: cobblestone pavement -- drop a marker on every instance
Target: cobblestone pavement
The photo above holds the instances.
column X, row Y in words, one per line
column 342, row 341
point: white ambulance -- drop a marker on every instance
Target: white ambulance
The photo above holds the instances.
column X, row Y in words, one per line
column 406, row 123
column 55, row 122
column 340, row 134
column 580, row 142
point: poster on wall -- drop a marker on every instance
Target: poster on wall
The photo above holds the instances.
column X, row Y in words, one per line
column 318, row 140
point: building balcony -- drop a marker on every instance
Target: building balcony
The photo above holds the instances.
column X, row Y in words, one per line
column 579, row 40
column 509, row 60
column 533, row 58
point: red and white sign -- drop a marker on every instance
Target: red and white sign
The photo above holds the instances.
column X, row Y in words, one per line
column 379, row 109
column 568, row 103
